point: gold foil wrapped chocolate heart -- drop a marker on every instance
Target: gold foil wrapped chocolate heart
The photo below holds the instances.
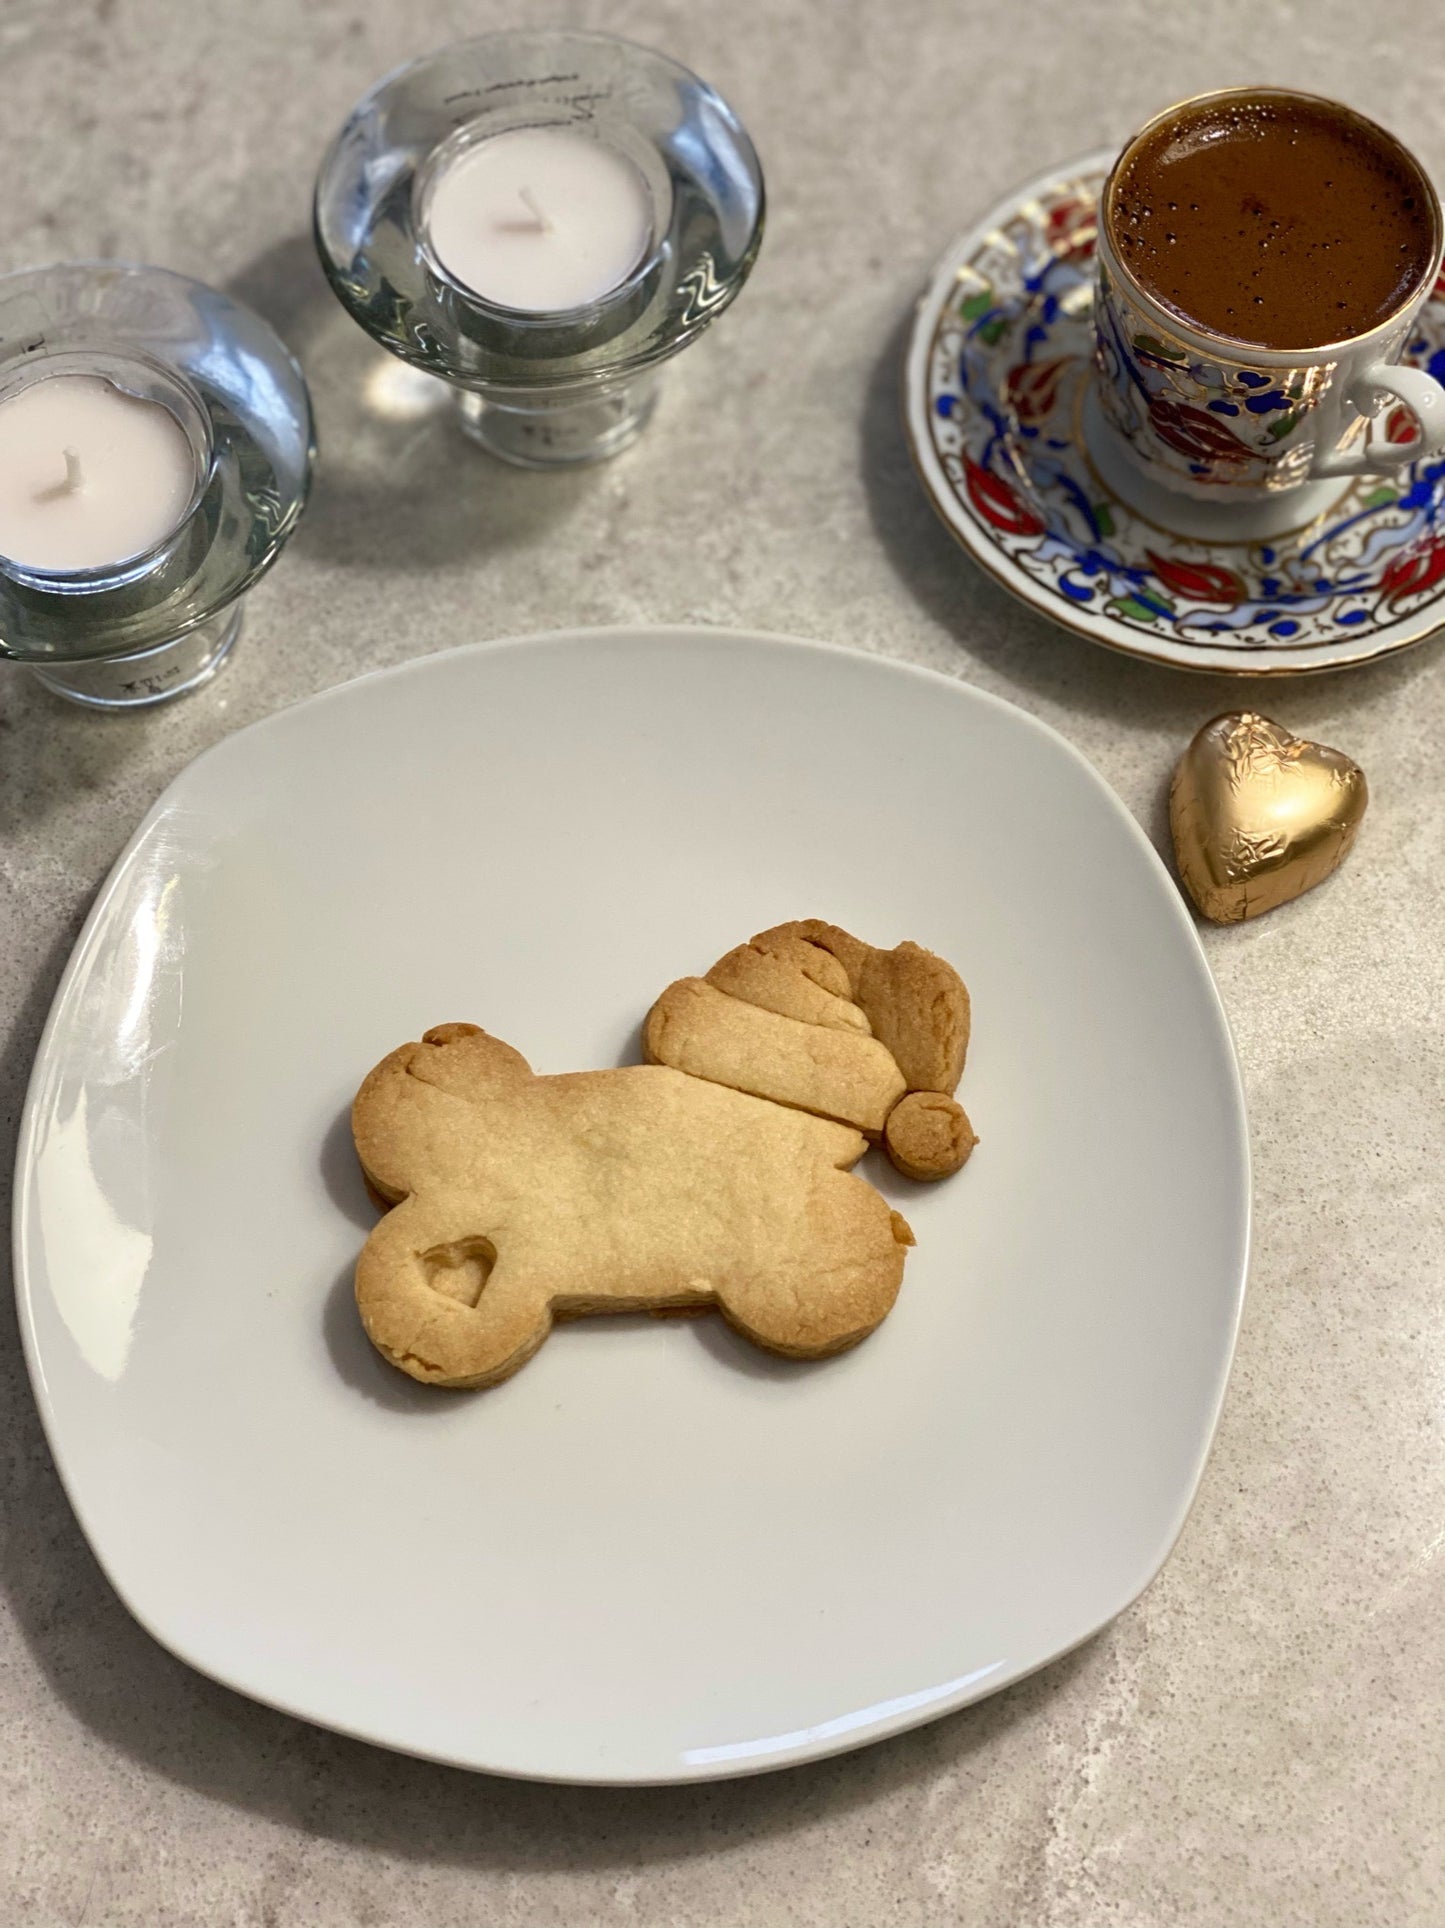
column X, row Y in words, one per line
column 1259, row 816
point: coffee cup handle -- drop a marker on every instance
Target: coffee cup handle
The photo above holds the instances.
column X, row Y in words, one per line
column 1421, row 394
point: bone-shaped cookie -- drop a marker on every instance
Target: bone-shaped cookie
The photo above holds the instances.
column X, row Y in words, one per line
column 521, row 1199
column 808, row 1015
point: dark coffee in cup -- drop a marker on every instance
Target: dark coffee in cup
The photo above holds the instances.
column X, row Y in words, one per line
column 1274, row 219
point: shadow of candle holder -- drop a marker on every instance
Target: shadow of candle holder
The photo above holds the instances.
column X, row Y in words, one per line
column 399, row 486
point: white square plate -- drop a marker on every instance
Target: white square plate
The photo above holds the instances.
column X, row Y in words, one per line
column 656, row 1553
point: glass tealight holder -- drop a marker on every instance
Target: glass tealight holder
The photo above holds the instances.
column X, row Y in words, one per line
column 150, row 626
column 541, row 387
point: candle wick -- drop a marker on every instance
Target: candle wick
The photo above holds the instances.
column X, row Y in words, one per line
column 72, row 485
column 538, row 213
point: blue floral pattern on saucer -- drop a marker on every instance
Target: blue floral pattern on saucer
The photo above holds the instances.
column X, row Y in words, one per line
column 999, row 366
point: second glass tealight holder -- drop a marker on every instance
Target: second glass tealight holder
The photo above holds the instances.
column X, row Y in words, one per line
column 158, row 445
column 541, row 220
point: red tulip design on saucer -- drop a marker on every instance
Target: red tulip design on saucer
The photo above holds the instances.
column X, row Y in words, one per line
column 997, row 503
column 1413, row 571
column 1072, row 228
column 1203, row 582
column 1033, row 388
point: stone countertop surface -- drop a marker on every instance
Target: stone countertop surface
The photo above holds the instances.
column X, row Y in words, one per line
column 1261, row 1739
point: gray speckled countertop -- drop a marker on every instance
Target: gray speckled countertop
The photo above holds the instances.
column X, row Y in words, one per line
column 1259, row 1740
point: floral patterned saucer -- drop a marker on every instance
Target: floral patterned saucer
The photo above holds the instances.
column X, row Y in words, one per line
column 998, row 376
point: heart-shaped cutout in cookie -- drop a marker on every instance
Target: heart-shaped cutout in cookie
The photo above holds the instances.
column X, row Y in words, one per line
column 1259, row 816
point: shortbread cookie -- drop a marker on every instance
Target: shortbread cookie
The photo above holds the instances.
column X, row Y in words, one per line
column 809, row 1015
column 696, row 1028
column 928, row 1135
column 521, row 1199
column 915, row 1003
column 776, row 981
column 820, row 967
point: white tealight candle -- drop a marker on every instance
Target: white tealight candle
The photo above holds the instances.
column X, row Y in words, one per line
column 89, row 476
column 540, row 219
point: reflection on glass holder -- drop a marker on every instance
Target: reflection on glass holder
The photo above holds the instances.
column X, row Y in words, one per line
column 152, row 626
column 541, row 389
